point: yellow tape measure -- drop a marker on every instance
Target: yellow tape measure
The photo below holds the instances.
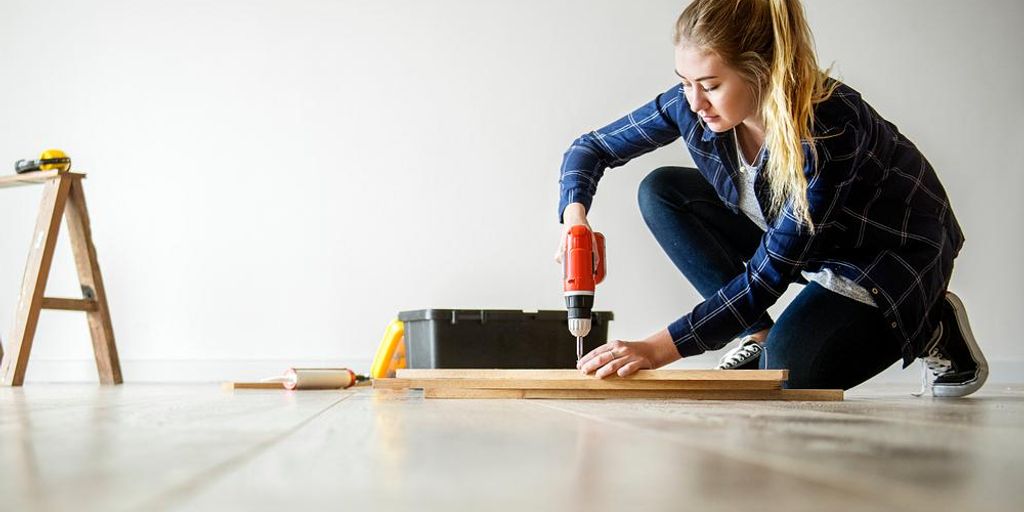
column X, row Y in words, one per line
column 49, row 160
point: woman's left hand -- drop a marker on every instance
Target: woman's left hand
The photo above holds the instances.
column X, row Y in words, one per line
column 626, row 357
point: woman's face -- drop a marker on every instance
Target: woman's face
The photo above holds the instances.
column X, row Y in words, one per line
column 716, row 92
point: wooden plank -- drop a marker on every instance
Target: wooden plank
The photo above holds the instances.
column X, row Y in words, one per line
column 69, row 304
column 689, row 394
column 100, row 327
column 592, row 383
column 37, row 271
column 575, row 375
column 17, row 180
column 252, row 385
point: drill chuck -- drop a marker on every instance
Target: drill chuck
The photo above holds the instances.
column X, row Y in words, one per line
column 579, row 327
column 579, row 306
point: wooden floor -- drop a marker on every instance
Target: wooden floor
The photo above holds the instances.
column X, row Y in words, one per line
column 192, row 447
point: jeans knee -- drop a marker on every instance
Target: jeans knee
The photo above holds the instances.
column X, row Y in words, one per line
column 656, row 187
column 778, row 350
column 783, row 350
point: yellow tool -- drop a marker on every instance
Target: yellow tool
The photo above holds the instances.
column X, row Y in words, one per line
column 48, row 160
column 391, row 352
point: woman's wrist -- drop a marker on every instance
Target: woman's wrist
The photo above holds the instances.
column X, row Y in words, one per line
column 574, row 213
column 664, row 349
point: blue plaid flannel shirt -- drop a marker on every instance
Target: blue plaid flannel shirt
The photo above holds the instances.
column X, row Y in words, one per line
column 882, row 217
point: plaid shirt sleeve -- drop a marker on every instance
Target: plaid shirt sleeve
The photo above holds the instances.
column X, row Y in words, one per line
column 783, row 252
column 642, row 131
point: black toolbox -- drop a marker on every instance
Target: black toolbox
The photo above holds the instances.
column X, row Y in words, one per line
column 495, row 338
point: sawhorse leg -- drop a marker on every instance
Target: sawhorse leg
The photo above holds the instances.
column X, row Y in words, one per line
column 61, row 196
column 100, row 328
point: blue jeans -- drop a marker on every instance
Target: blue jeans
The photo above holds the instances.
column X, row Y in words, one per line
column 825, row 340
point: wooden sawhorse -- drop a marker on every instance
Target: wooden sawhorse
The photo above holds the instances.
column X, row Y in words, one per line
column 63, row 196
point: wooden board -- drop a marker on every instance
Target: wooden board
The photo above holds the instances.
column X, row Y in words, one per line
column 585, row 383
column 69, row 304
column 575, row 375
column 16, row 180
column 571, row 384
column 690, row 394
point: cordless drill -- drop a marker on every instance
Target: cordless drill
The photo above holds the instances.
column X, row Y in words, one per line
column 583, row 267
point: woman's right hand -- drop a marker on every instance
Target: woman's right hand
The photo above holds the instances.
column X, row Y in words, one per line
column 574, row 215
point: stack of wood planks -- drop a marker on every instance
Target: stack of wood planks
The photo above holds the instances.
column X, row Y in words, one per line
column 571, row 384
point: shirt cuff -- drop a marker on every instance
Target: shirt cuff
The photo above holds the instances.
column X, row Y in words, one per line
column 574, row 195
column 683, row 338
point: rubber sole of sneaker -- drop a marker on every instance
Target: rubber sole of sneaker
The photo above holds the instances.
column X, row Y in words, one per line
column 959, row 390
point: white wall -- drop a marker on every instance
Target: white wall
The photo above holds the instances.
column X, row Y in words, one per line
column 272, row 181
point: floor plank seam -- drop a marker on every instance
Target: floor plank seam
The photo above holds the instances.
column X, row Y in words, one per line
column 182, row 492
column 893, row 421
column 849, row 482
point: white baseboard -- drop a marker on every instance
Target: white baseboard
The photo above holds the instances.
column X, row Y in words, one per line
column 206, row 370
column 199, row 370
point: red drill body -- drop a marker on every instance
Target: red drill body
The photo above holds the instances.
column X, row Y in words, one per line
column 583, row 267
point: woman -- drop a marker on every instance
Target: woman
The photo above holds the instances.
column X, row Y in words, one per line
column 798, row 179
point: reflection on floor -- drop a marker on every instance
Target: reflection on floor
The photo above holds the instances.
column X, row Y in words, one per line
column 197, row 447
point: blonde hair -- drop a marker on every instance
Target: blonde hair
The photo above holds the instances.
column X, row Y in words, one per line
column 769, row 43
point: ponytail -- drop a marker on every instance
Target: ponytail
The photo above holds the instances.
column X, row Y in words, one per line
column 794, row 85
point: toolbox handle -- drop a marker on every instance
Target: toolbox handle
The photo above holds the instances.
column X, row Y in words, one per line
column 469, row 315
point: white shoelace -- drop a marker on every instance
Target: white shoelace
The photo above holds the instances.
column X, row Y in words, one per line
column 935, row 362
column 740, row 355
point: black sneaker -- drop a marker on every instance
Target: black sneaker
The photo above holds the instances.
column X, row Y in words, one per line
column 747, row 356
column 954, row 358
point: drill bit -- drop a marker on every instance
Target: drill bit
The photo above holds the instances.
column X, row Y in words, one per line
column 579, row 348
